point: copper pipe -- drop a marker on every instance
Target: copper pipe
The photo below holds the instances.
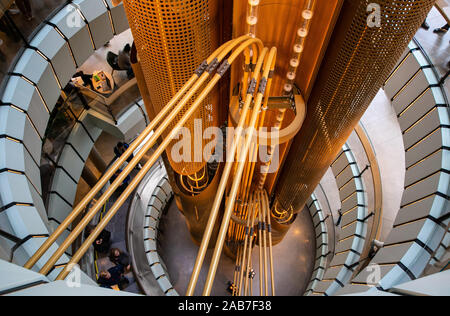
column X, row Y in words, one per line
column 221, row 189
column 85, row 221
column 237, row 179
column 261, row 123
column 251, row 280
column 105, row 196
column 246, row 189
column 247, row 71
column 250, row 169
column 261, row 282
column 245, row 92
column 238, row 255
column 104, row 180
column 239, row 268
column 234, row 191
column 242, row 208
column 235, row 229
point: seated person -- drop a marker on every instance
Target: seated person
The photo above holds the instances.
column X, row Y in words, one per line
column 103, row 242
column 119, row 257
column 114, row 276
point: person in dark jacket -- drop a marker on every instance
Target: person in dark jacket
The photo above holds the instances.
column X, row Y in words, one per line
column 119, row 257
column 114, row 276
column 103, row 242
column 86, row 78
column 125, row 182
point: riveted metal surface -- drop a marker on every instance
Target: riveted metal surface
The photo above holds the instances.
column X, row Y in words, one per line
column 173, row 37
column 357, row 62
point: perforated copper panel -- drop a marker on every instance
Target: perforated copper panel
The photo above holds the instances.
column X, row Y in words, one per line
column 357, row 62
column 172, row 38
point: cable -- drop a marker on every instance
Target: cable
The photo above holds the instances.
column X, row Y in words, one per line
column 223, row 182
column 238, row 176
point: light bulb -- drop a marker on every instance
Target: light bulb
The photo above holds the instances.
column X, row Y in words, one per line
column 295, row 62
column 307, row 14
column 252, row 20
column 288, row 87
column 291, row 75
column 298, row 48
